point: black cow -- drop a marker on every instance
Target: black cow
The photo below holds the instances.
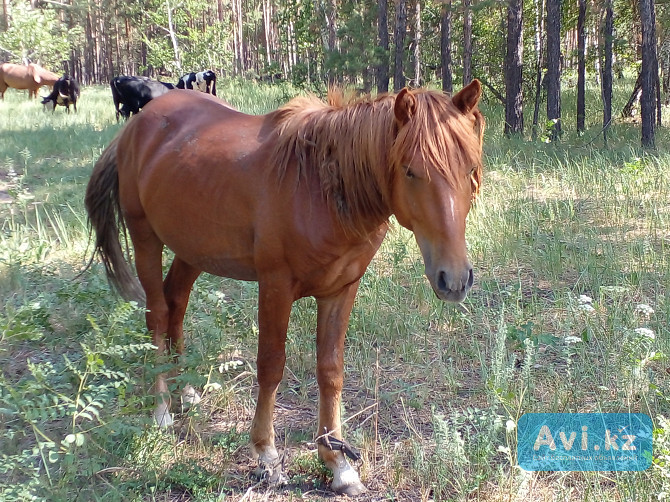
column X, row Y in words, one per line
column 65, row 93
column 204, row 81
column 133, row 93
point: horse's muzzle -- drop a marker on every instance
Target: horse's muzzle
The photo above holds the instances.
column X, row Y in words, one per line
column 451, row 287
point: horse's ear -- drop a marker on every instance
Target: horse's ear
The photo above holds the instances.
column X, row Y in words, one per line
column 468, row 97
column 405, row 106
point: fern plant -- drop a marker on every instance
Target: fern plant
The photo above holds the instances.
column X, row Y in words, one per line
column 64, row 406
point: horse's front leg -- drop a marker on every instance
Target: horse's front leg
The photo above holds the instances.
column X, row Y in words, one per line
column 332, row 321
column 274, row 308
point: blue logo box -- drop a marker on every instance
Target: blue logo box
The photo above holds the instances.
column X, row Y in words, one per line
column 584, row 442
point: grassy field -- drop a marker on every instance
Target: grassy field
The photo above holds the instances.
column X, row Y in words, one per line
column 570, row 244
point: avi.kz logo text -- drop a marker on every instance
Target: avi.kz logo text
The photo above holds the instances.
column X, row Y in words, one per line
column 584, row 442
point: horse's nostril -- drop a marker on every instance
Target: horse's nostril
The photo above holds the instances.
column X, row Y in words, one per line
column 471, row 278
column 442, row 281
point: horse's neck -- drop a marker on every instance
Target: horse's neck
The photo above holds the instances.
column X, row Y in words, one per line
column 345, row 150
column 356, row 173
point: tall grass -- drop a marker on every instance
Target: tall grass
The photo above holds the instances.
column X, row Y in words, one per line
column 569, row 243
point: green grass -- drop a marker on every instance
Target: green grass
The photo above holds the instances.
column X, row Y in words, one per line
column 431, row 391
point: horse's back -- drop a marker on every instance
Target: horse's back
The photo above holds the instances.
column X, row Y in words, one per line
column 189, row 165
column 30, row 77
column 183, row 133
column 14, row 75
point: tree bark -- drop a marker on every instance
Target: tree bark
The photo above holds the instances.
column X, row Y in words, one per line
column 173, row 37
column 330, row 15
column 581, row 66
column 383, row 31
column 539, row 29
column 445, row 47
column 417, row 43
column 649, row 64
column 399, row 80
column 607, row 68
column 467, row 42
column 4, row 18
column 513, row 69
column 553, row 77
column 267, row 31
column 496, row 93
column 627, row 110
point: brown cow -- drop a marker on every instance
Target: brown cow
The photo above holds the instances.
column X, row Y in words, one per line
column 30, row 77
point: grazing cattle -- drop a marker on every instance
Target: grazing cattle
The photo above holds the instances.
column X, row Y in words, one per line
column 30, row 76
column 204, row 81
column 133, row 93
column 64, row 93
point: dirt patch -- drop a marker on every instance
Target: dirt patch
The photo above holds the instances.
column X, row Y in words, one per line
column 5, row 198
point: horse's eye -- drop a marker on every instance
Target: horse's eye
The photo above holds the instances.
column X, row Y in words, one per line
column 409, row 173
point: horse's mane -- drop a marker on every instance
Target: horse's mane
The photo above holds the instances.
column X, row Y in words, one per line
column 355, row 147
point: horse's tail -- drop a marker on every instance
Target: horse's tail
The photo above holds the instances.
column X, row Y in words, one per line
column 106, row 220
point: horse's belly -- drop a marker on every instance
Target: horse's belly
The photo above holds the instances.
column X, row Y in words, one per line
column 213, row 250
column 235, row 269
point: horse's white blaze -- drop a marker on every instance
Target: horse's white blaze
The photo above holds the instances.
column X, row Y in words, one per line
column 452, row 207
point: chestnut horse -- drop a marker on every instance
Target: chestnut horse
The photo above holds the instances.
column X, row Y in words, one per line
column 30, row 77
column 297, row 200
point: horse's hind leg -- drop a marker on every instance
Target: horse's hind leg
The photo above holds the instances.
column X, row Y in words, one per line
column 177, row 289
column 148, row 263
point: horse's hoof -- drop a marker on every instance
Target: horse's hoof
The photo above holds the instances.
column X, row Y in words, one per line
column 162, row 416
column 352, row 490
column 271, row 473
column 189, row 396
column 345, row 478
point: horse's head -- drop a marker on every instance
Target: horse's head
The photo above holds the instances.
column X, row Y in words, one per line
column 437, row 173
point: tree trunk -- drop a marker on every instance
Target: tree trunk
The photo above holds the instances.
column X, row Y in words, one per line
column 649, row 64
column 399, row 80
column 383, row 29
column 417, row 43
column 173, row 37
column 330, row 17
column 467, row 42
column 539, row 29
column 607, row 68
column 659, row 103
column 4, row 17
column 581, row 66
column 553, row 77
column 496, row 93
column 513, row 69
column 238, row 37
column 267, row 27
column 627, row 110
column 445, row 47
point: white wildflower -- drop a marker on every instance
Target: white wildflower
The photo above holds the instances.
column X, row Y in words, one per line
column 230, row 365
column 212, row 387
column 646, row 332
column 572, row 339
column 644, row 309
column 510, row 425
column 586, row 307
column 583, row 299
